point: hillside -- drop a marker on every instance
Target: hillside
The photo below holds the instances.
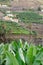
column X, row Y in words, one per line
column 26, row 3
column 40, row 1
column 34, row 4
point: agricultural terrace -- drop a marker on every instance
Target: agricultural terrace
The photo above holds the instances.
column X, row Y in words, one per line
column 12, row 27
column 29, row 17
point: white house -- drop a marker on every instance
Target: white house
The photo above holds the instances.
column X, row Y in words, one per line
column 10, row 15
column 8, row 12
column 16, row 20
column 11, row 20
column 4, row 6
column 6, row 18
column 42, row 10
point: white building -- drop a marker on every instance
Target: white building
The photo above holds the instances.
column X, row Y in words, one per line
column 10, row 15
column 16, row 20
column 7, row 18
column 42, row 10
column 8, row 12
column 4, row 6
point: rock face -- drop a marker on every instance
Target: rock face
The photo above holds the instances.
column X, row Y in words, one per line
column 25, row 3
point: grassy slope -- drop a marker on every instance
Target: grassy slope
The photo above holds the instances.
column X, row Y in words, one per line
column 4, row 2
column 28, row 17
column 33, row 1
column 13, row 28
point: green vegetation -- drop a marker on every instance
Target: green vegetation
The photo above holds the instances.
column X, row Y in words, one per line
column 4, row 2
column 19, row 53
column 27, row 17
column 12, row 27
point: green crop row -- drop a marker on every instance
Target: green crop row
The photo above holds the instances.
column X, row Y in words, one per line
column 32, row 17
column 21, row 53
column 11, row 27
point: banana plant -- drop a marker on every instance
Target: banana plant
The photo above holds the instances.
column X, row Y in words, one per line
column 20, row 53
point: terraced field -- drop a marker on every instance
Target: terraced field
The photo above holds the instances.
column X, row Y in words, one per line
column 29, row 17
column 30, row 23
column 11, row 27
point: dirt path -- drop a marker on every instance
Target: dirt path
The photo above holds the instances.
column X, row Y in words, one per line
column 27, row 38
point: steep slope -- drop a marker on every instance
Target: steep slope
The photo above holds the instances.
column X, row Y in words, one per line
column 40, row 1
column 26, row 3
